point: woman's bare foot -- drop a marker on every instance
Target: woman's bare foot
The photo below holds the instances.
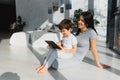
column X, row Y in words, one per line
column 43, row 70
column 106, row 66
column 103, row 66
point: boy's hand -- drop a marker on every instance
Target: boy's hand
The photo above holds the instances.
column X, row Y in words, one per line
column 50, row 46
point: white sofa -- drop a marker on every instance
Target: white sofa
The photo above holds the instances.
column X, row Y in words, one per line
column 19, row 39
column 36, row 38
column 23, row 39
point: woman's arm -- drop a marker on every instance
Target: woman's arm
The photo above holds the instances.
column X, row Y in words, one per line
column 94, row 51
column 95, row 54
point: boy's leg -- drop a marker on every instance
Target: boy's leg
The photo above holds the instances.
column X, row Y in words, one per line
column 50, row 58
column 48, row 54
column 45, row 60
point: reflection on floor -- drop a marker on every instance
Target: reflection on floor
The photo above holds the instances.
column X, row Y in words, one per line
column 19, row 63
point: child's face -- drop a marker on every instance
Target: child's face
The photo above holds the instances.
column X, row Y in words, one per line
column 66, row 32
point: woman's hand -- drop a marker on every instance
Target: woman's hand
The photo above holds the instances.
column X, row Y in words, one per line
column 103, row 66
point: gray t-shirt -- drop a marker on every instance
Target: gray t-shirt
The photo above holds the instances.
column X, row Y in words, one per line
column 68, row 43
column 84, row 43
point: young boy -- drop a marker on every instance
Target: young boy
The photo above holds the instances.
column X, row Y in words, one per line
column 68, row 45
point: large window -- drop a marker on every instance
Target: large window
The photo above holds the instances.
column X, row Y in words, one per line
column 117, row 45
column 117, row 28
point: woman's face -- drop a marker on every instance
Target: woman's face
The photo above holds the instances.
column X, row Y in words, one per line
column 81, row 23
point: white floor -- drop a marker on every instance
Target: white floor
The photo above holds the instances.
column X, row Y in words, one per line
column 19, row 63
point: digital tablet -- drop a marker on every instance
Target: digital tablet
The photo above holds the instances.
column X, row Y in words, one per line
column 53, row 44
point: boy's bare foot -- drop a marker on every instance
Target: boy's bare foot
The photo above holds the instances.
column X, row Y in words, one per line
column 39, row 68
column 43, row 70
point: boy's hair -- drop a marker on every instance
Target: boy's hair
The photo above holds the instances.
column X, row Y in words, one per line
column 65, row 24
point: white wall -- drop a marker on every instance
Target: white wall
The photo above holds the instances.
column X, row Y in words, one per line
column 76, row 4
column 35, row 13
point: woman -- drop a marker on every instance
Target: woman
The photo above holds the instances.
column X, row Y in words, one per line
column 87, row 38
